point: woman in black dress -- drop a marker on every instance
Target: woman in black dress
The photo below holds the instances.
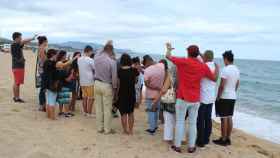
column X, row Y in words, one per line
column 126, row 95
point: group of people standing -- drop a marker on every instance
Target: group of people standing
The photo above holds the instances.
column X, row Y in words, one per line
column 176, row 89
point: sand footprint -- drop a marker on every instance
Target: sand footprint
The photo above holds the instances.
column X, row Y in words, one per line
column 260, row 150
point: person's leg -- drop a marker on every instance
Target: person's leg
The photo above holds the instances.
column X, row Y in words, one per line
column 192, row 111
column 99, row 108
column 224, row 128
column 52, row 96
column 48, row 111
column 208, row 123
column 89, row 106
column 161, row 116
column 60, row 108
column 229, row 129
column 18, row 80
column 151, row 115
column 181, row 109
column 85, row 99
column 130, row 123
column 85, row 102
column 107, row 103
column 156, row 115
column 124, row 118
column 90, row 100
column 52, row 112
column 16, row 89
column 168, row 126
column 42, row 100
column 201, row 125
column 47, row 103
column 73, row 101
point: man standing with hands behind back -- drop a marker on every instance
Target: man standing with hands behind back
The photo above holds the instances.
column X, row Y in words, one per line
column 18, row 63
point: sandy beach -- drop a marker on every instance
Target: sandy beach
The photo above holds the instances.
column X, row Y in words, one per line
column 27, row 133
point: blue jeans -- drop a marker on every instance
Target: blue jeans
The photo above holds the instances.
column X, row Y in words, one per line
column 204, row 123
column 181, row 108
column 152, row 116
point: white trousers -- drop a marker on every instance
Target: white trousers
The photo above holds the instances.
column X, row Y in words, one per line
column 169, row 126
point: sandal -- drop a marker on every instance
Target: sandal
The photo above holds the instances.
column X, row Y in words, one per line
column 176, row 149
column 192, row 150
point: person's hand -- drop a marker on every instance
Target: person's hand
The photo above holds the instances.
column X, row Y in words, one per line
column 75, row 57
column 35, row 36
column 169, row 47
column 154, row 107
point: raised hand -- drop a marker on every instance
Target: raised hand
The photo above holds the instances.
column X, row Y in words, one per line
column 169, row 46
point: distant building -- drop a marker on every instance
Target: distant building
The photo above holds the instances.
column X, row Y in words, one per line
column 5, row 48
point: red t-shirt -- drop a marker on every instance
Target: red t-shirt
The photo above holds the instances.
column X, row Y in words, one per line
column 190, row 71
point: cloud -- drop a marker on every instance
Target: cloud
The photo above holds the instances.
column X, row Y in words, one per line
column 145, row 25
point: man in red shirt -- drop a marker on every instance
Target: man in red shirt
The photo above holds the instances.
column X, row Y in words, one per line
column 190, row 72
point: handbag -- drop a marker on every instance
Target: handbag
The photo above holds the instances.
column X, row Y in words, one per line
column 170, row 95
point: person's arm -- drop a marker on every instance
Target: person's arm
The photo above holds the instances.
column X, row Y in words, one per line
column 42, row 54
column 62, row 65
column 148, row 85
column 212, row 76
column 115, row 80
column 28, row 40
column 221, row 88
column 92, row 67
column 168, row 55
column 166, row 85
column 237, row 85
column 217, row 70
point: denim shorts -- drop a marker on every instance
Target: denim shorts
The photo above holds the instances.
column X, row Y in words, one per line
column 51, row 98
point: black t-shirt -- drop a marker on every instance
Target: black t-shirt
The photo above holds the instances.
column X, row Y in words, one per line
column 18, row 60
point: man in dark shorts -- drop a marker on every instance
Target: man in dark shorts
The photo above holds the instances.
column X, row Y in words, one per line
column 18, row 63
column 226, row 97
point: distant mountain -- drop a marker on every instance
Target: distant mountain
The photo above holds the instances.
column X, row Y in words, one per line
column 72, row 46
column 81, row 45
column 5, row 40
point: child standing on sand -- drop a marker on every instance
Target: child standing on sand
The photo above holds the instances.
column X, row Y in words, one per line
column 126, row 96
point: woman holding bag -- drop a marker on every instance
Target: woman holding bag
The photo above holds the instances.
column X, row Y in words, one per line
column 167, row 100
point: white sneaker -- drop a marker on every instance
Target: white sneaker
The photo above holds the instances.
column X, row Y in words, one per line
column 85, row 114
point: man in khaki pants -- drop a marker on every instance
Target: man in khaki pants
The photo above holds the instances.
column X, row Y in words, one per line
column 105, row 88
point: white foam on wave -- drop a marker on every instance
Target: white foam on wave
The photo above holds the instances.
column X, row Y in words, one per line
column 260, row 127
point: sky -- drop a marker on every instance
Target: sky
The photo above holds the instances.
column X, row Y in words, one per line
column 247, row 27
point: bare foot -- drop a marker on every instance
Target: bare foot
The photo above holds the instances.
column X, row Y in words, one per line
column 125, row 132
column 130, row 132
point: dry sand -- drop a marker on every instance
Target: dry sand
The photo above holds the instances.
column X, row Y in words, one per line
column 27, row 133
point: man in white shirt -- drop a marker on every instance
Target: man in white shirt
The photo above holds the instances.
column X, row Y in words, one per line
column 207, row 98
column 226, row 98
column 86, row 72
